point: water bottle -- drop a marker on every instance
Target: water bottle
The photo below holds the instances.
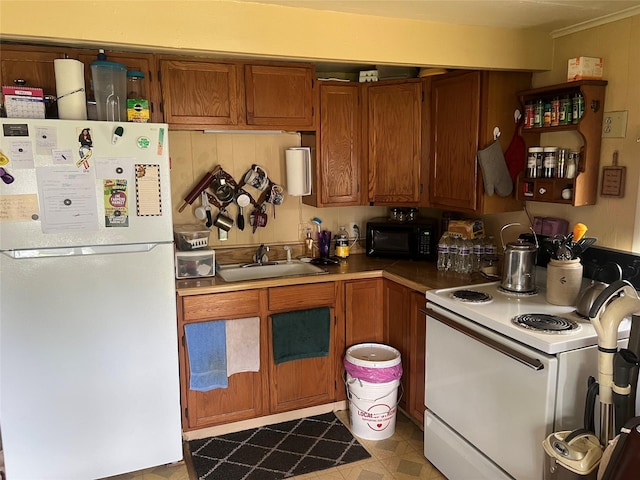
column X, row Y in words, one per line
column 454, row 257
column 443, row 253
column 490, row 258
column 464, row 254
column 477, row 252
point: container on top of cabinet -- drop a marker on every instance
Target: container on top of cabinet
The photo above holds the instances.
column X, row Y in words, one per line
column 585, row 98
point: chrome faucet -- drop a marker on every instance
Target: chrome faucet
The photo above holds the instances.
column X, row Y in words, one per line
column 261, row 254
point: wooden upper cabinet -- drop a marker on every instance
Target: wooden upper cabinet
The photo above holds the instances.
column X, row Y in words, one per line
column 465, row 109
column 34, row 65
column 142, row 62
column 198, row 94
column 393, row 125
column 280, row 96
column 336, row 148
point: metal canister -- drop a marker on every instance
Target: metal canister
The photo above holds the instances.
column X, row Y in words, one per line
column 549, row 162
column 534, row 162
column 561, row 162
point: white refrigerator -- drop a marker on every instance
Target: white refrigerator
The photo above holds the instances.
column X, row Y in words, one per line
column 88, row 340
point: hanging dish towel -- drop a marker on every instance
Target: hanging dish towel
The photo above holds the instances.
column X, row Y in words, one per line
column 301, row 334
column 494, row 170
column 516, row 155
column 206, row 348
column 243, row 345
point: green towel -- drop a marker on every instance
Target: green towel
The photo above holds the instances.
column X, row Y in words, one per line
column 301, row 334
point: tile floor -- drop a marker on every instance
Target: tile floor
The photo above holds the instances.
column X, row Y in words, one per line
column 396, row 458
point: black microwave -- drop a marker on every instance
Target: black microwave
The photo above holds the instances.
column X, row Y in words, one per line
column 414, row 240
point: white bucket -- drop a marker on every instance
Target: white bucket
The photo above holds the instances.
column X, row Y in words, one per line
column 372, row 406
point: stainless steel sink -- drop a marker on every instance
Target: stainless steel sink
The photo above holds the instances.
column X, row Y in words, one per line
column 244, row 272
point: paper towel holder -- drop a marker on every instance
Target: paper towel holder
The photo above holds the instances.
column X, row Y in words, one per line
column 298, row 168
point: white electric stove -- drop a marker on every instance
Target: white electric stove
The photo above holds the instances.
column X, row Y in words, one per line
column 495, row 389
column 499, row 311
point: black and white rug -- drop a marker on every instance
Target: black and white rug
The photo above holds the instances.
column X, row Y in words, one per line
column 275, row 452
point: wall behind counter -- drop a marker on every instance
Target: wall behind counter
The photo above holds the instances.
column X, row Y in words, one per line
column 195, row 153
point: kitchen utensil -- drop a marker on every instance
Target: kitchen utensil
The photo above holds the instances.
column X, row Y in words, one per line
column 585, row 243
column 612, row 270
column 201, row 211
column 222, row 189
column 519, row 268
column 223, row 221
column 257, row 177
column 258, row 218
column 204, row 182
column 243, row 200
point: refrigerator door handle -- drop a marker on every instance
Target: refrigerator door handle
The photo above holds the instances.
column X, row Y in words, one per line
column 76, row 251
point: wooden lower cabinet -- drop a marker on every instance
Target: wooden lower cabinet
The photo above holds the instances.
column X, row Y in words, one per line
column 362, row 311
column 404, row 329
column 245, row 397
column 310, row 381
column 363, row 315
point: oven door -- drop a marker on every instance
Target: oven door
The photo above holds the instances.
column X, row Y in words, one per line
column 494, row 397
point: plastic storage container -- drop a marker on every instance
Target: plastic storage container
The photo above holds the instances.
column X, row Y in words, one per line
column 110, row 89
column 190, row 237
column 196, row 264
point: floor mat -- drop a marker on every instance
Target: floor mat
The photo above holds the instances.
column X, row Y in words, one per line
column 275, row 452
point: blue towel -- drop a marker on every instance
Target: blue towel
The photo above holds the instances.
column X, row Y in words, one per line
column 207, row 352
column 301, row 334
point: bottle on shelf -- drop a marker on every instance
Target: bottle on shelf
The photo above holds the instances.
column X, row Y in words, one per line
column 549, row 162
column 555, row 111
column 538, row 113
column 565, row 113
column 577, row 108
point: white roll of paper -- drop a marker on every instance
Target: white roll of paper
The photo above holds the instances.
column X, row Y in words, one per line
column 298, row 165
column 70, row 89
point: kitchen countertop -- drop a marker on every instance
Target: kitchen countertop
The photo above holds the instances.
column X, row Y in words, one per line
column 419, row 276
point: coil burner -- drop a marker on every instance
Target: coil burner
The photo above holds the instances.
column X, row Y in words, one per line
column 511, row 293
column 543, row 323
column 471, row 296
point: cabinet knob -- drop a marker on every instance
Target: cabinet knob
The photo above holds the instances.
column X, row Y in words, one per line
column 542, row 191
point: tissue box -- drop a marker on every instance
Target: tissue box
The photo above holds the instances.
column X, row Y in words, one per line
column 23, row 102
column 585, row 68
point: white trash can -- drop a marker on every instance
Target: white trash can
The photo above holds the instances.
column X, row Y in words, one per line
column 373, row 373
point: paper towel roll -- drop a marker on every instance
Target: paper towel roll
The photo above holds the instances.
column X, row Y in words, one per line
column 72, row 100
column 298, row 165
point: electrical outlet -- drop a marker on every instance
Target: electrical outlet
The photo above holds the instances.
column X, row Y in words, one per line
column 355, row 230
column 614, row 124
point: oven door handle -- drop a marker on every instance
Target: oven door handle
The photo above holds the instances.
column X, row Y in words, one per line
column 532, row 363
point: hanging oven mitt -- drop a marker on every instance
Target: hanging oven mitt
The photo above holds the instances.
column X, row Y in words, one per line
column 494, row 170
column 516, row 155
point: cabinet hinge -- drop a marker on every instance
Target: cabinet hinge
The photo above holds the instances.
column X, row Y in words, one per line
column 150, row 76
column 186, row 412
column 420, row 188
column 159, row 76
column 161, row 107
column 183, row 341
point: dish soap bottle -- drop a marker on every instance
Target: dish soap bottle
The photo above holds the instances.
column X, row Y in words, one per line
column 342, row 243
column 308, row 245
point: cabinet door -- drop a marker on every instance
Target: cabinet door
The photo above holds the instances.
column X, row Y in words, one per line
column 142, row 62
column 32, row 64
column 397, row 330
column 310, row 381
column 417, row 347
column 363, row 315
column 337, row 172
column 200, row 94
column 455, row 121
column 280, row 96
column 393, row 128
column 244, row 397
